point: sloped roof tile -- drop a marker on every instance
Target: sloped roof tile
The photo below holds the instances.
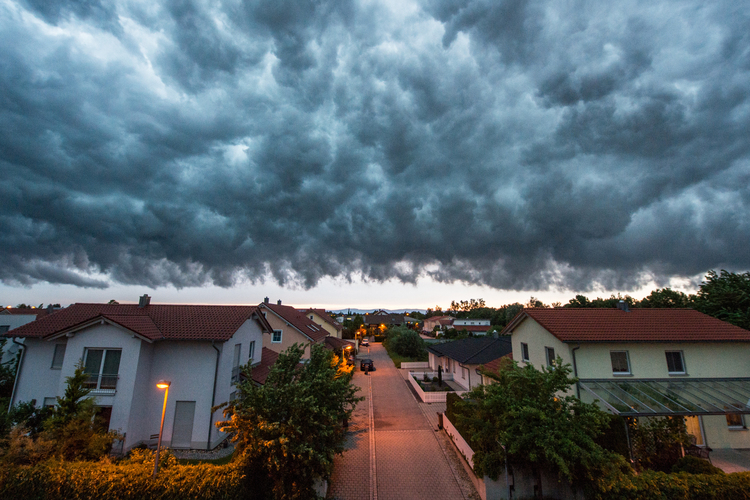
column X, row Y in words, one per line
column 473, row 351
column 298, row 320
column 636, row 325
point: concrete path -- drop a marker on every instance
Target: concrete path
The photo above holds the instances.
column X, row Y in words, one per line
column 394, row 451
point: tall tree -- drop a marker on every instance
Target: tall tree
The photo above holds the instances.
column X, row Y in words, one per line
column 667, row 298
column 726, row 296
column 529, row 418
column 291, row 427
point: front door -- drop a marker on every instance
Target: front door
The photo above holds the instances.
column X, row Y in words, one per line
column 694, row 427
column 182, row 431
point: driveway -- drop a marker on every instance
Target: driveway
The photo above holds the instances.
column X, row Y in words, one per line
column 394, row 451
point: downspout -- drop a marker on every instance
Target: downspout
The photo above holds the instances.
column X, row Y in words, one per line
column 575, row 370
column 213, row 397
column 18, row 370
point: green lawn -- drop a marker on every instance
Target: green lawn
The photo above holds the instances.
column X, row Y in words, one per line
column 397, row 360
column 197, row 461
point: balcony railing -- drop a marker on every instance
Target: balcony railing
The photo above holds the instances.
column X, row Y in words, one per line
column 101, row 381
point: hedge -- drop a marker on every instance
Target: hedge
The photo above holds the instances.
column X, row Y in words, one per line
column 103, row 481
column 682, row 486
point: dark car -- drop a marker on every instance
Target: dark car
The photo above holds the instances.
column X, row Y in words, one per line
column 366, row 363
column 365, row 343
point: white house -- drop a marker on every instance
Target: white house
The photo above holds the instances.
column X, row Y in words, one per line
column 462, row 358
column 648, row 362
column 13, row 317
column 475, row 326
column 127, row 348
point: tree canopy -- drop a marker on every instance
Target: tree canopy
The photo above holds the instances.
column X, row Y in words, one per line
column 539, row 423
column 291, row 427
column 726, row 296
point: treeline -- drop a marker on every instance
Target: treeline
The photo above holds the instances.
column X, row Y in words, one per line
column 724, row 295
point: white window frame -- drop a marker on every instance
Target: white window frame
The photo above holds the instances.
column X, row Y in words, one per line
column 251, row 351
column 550, row 360
column 525, row 352
column 682, row 360
column 273, row 336
column 61, row 357
column 99, row 375
column 627, row 362
column 236, row 362
column 735, row 427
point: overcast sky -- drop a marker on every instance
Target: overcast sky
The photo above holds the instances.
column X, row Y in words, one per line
column 222, row 149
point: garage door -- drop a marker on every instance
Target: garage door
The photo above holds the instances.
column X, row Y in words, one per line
column 182, row 432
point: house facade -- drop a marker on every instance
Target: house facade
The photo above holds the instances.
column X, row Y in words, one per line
column 126, row 349
column 475, row 326
column 290, row 326
column 321, row 318
column 462, row 358
column 648, row 362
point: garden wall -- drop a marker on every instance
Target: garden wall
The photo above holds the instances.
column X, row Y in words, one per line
column 412, row 365
column 430, row 397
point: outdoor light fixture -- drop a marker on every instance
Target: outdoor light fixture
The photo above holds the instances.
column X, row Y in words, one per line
column 162, row 384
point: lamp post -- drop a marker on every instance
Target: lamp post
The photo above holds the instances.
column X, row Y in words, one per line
column 162, row 384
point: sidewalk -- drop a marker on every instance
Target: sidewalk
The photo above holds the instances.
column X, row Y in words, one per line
column 400, row 455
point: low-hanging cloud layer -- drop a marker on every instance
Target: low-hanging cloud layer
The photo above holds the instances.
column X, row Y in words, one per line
column 515, row 144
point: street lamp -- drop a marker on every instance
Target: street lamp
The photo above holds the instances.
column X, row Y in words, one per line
column 162, row 384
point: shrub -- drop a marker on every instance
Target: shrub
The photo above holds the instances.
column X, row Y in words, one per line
column 695, row 465
column 54, row 480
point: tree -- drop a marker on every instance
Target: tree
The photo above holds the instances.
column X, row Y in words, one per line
column 405, row 342
column 726, row 296
column 291, row 427
column 667, row 298
column 532, row 414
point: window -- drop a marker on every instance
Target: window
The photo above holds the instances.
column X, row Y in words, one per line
column 675, row 362
column 4, row 328
column 57, row 358
column 524, row 351
column 620, row 362
column 236, row 363
column 50, row 402
column 102, row 367
column 232, row 395
column 550, row 355
column 251, row 353
column 735, row 421
column 276, row 337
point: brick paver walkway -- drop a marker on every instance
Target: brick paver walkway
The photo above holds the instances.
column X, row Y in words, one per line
column 409, row 459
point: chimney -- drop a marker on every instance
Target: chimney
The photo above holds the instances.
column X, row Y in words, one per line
column 144, row 301
column 623, row 306
column 266, row 300
column 278, row 302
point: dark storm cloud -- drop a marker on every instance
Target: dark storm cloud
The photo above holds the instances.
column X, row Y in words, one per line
column 518, row 144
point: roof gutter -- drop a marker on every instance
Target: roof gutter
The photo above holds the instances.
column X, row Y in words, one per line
column 18, row 370
column 575, row 370
column 213, row 396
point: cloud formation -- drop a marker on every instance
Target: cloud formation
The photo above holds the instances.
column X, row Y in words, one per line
column 516, row 144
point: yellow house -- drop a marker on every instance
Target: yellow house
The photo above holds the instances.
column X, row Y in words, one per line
column 290, row 326
column 648, row 362
column 321, row 318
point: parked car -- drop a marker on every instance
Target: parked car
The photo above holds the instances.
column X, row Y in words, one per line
column 366, row 363
column 365, row 343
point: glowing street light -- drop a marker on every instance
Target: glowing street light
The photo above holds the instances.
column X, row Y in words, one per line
column 162, row 384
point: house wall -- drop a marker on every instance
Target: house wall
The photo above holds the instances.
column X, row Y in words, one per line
column 37, row 380
column 102, row 336
column 647, row 360
column 290, row 336
column 537, row 337
column 332, row 331
column 468, row 378
column 12, row 321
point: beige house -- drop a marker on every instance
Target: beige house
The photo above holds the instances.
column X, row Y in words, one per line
column 321, row 318
column 290, row 326
column 648, row 362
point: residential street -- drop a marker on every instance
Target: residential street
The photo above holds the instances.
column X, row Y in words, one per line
column 393, row 449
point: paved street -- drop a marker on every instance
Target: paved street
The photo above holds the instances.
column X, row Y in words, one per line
column 393, row 449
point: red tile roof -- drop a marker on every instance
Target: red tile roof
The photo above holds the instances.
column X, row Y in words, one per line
column 260, row 371
column 298, row 320
column 36, row 311
column 154, row 322
column 336, row 344
column 495, row 363
column 325, row 317
column 636, row 325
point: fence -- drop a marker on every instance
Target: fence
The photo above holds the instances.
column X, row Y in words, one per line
column 415, row 364
column 430, row 397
